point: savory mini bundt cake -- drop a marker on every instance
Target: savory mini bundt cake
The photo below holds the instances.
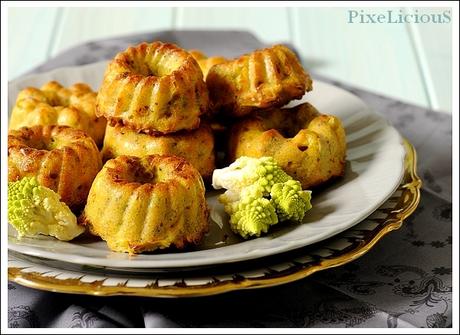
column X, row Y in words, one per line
column 196, row 146
column 261, row 79
column 309, row 146
column 54, row 104
column 63, row 159
column 206, row 62
column 153, row 88
column 140, row 204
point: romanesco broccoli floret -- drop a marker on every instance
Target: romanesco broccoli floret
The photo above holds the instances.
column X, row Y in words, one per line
column 34, row 209
column 290, row 201
column 253, row 214
column 252, row 200
column 246, row 171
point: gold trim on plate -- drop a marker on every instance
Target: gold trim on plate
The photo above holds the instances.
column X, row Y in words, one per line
column 407, row 202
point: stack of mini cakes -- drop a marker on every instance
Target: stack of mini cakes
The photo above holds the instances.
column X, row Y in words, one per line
column 153, row 96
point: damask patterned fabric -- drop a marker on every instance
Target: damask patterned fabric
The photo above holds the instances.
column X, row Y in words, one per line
column 404, row 281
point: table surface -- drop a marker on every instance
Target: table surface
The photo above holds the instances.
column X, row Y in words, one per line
column 404, row 281
column 410, row 62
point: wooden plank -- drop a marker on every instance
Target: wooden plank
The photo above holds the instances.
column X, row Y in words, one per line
column 433, row 43
column 376, row 57
column 270, row 25
column 29, row 35
column 79, row 25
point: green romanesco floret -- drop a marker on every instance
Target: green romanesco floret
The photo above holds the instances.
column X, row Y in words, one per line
column 290, row 201
column 247, row 171
column 252, row 214
column 259, row 194
column 34, row 209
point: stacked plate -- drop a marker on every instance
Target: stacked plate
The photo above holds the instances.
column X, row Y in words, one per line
column 379, row 190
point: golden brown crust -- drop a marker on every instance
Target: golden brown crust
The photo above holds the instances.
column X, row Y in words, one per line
column 309, row 146
column 196, row 146
column 63, row 159
column 153, row 88
column 264, row 78
column 53, row 104
column 205, row 62
column 155, row 202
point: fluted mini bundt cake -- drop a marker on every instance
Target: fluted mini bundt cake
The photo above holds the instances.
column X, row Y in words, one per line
column 63, row 159
column 54, row 104
column 142, row 204
column 309, row 146
column 196, row 146
column 206, row 62
column 153, row 88
column 261, row 79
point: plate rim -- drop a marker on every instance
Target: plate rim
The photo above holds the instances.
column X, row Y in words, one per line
column 408, row 202
column 256, row 252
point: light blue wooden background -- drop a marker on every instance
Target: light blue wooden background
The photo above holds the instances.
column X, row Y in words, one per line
column 411, row 62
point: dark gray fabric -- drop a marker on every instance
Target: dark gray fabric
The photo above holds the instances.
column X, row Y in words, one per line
column 404, row 281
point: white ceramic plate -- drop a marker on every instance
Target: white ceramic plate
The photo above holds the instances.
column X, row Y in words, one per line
column 374, row 170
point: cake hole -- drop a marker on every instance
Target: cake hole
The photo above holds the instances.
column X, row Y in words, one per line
column 143, row 176
column 42, row 143
column 55, row 103
column 288, row 127
column 156, row 68
column 302, row 147
column 288, row 130
column 37, row 144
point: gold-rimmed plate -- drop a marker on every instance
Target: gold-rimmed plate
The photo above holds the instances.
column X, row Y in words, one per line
column 375, row 165
column 284, row 268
